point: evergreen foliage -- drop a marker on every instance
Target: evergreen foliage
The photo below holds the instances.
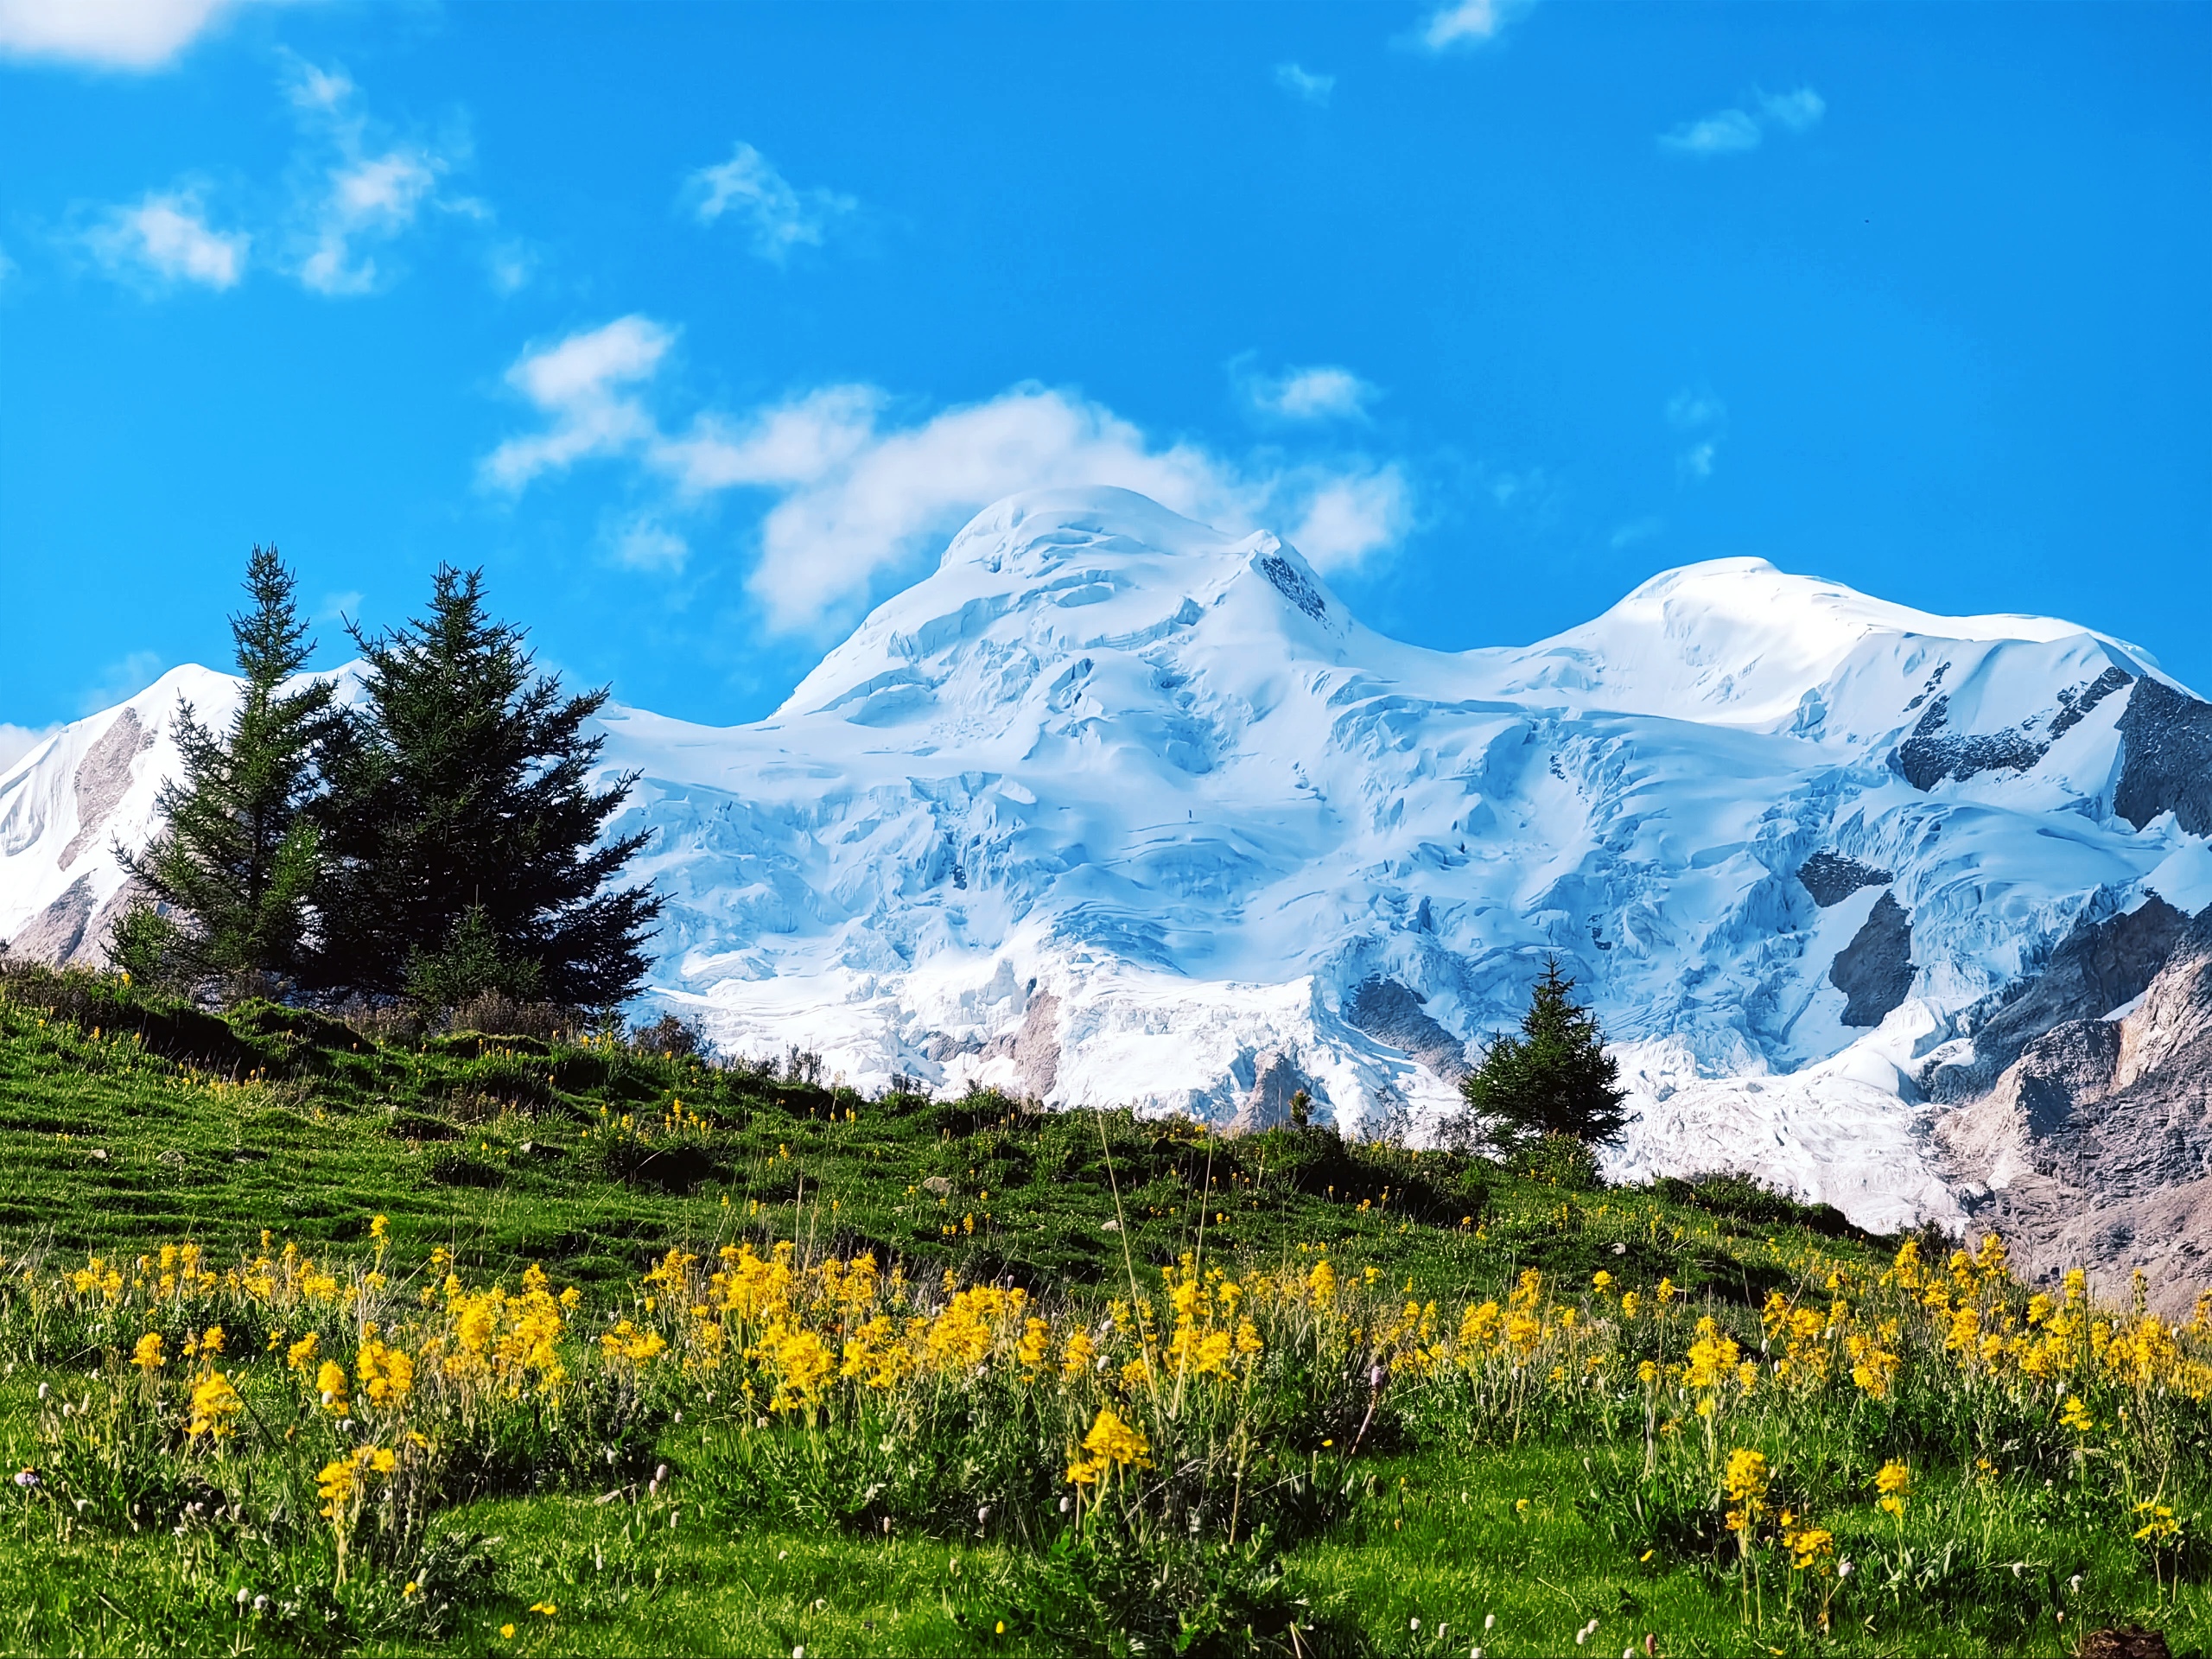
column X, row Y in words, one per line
column 461, row 828
column 230, row 876
column 1555, row 1078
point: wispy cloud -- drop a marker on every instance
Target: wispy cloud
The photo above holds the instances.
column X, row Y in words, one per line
column 854, row 492
column 16, row 741
column 106, row 33
column 1702, row 420
column 165, row 238
column 1324, row 392
column 1304, row 84
column 353, row 191
column 581, row 385
column 781, row 216
column 124, row 677
column 357, row 190
column 1732, row 131
column 643, row 542
column 1639, row 530
column 1799, row 111
column 1461, row 25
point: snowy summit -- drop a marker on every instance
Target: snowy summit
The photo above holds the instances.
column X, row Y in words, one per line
column 1112, row 808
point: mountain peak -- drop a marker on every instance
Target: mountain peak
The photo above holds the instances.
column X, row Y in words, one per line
column 1113, row 809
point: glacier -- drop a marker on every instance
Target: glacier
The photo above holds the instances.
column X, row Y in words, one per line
column 1792, row 841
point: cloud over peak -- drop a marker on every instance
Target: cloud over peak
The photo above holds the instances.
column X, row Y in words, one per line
column 854, row 493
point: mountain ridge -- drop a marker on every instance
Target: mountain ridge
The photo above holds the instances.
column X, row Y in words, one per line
column 953, row 853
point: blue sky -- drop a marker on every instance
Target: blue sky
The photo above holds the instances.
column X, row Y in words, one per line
column 699, row 326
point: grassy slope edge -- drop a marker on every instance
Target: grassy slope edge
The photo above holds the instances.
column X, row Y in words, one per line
column 126, row 1123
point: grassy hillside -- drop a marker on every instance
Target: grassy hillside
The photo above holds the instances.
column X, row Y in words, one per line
column 709, row 1360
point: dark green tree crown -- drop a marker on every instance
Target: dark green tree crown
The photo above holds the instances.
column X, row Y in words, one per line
column 228, row 880
column 1555, row 1078
column 461, row 821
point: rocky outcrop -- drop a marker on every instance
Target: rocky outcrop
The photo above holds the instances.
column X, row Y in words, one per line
column 2095, row 1147
column 104, row 777
column 1874, row 971
column 1935, row 753
column 57, row 934
column 1392, row 1013
column 2166, row 757
column 1037, row 1046
column 2098, row 967
column 1831, row 878
column 1266, row 1105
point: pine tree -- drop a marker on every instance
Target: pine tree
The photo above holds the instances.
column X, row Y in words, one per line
column 230, row 875
column 462, row 832
column 1555, row 1078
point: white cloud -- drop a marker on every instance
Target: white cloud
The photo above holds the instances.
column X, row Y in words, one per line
column 1458, row 24
column 646, row 544
column 1347, row 518
column 1301, row 83
column 579, row 384
column 1733, row 131
column 338, row 606
column 1321, row 393
column 782, row 217
column 106, row 33
column 360, row 191
column 1639, row 530
column 16, row 741
column 123, row 678
column 1725, row 133
column 855, row 494
column 1704, row 417
column 1800, row 110
column 167, row 237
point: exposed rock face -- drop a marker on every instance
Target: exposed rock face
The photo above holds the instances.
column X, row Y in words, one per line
column 1933, row 753
column 1037, row 1046
column 1390, row 1012
column 1266, row 1105
column 2167, row 764
column 1875, row 969
column 102, row 779
column 2098, row 967
column 2094, row 1149
column 1831, row 878
column 57, row 934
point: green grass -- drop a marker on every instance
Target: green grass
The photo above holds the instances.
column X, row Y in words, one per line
column 126, row 1124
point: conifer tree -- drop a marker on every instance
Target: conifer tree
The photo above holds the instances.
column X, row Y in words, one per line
column 1555, row 1078
column 230, row 874
column 461, row 828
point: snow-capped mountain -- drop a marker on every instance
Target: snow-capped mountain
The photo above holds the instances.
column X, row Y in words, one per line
column 1113, row 808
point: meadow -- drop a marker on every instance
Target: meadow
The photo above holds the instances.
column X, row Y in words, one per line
column 326, row 1337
